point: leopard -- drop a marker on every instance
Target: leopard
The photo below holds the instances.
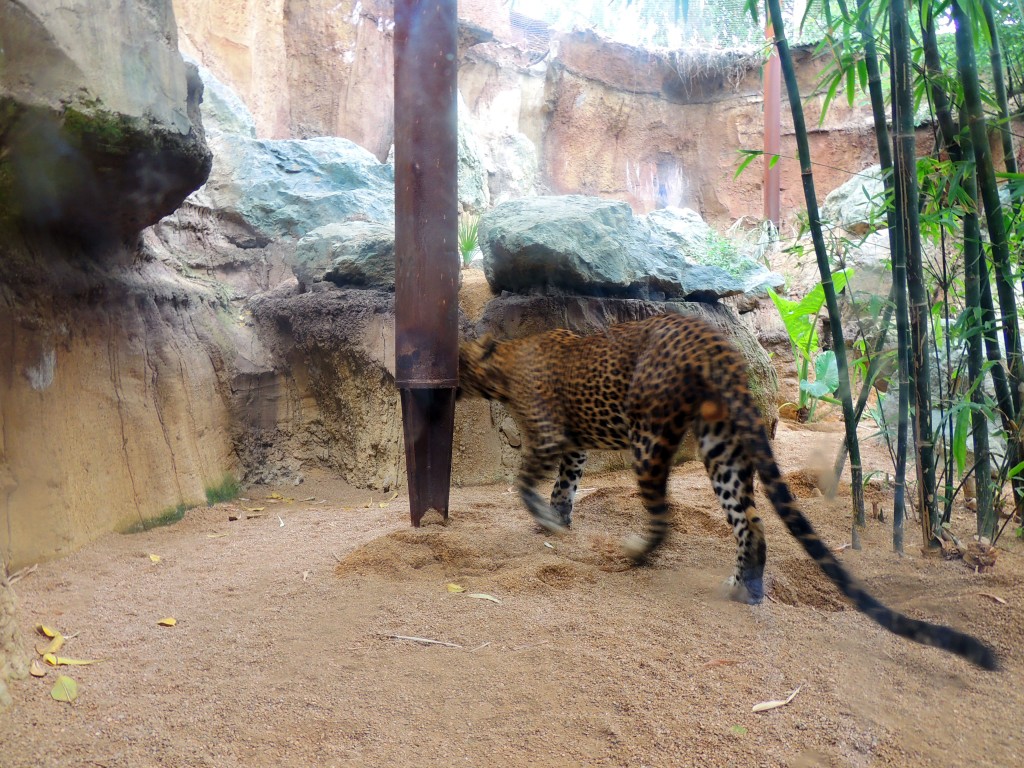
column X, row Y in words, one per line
column 640, row 385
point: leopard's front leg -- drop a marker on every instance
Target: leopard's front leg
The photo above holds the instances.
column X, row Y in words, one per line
column 570, row 470
column 538, row 463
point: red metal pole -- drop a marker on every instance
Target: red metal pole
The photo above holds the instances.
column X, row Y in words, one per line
column 772, row 133
column 426, row 252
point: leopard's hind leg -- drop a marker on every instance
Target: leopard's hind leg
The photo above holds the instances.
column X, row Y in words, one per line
column 732, row 476
column 570, row 471
column 653, row 450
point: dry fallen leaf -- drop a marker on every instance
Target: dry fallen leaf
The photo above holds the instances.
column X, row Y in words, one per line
column 61, row 661
column 990, row 596
column 55, row 644
column 276, row 496
column 456, row 588
column 155, row 558
column 64, row 689
column 483, row 596
column 549, row 545
column 45, row 630
column 168, row 622
column 764, row 706
column 215, row 535
column 253, row 509
column 37, row 669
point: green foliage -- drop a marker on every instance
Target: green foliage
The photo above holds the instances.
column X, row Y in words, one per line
column 169, row 516
column 226, row 490
column 721, row 252
column 801, row 321
column 468, row 233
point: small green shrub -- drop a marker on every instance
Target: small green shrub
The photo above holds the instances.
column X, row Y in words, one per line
column 226, row 490
column 468, row 232
column 169, row 516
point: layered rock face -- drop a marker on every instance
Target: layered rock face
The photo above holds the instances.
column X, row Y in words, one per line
column 113, row 408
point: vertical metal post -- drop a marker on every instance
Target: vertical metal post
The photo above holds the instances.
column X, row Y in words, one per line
column 426, row 252
column 772, row 133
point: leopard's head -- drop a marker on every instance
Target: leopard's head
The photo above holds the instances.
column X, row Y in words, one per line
column 480, row 369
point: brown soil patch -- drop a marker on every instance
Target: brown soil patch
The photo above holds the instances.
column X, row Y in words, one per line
column 284, row 655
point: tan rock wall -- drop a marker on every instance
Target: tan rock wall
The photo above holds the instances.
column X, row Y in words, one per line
column 310, row 67
column 111, row 412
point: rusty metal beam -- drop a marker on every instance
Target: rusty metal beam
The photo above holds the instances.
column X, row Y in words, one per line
column 426, row 252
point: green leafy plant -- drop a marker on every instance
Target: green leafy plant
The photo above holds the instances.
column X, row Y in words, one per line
column 226, row 490
column 468, row 234
column 169, row 516
column 801, row 321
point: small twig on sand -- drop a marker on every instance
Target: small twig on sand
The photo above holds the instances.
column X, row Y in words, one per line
column 424, row 640
column 530, row 645
column 18, row 575
column 482, row 645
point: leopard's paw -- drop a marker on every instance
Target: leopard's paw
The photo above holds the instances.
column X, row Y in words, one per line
column 635, row 547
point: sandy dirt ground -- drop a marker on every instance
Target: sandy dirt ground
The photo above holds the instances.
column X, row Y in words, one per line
column 285, row 650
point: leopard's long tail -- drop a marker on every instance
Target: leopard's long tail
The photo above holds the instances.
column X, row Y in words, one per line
column 748, row 421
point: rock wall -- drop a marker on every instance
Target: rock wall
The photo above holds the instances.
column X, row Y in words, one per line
column 113, row 406
column 605, row 119
column 113, row 398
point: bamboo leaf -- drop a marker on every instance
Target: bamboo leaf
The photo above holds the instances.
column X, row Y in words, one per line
column 775, row 703
column 483, row 596
column 960, row 431
column 751, row 154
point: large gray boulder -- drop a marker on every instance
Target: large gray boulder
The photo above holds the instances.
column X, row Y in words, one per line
column 595, row 247
column 856, row 205
column 356, row 254
column 96, row 149
column 289, row 187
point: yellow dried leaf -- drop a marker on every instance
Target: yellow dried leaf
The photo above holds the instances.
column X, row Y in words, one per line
column 275, row 495
column 393, row 496
column 37, row 669
column 483, row 596
column 216, row 535
column 154, row 558
column 42, row 629
column 61, row 661
column 168, row 622
column 64, row 689
column 55, row 644
column 764, row 706
column 253, row 509
column 456, row 588
column 383, row 505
